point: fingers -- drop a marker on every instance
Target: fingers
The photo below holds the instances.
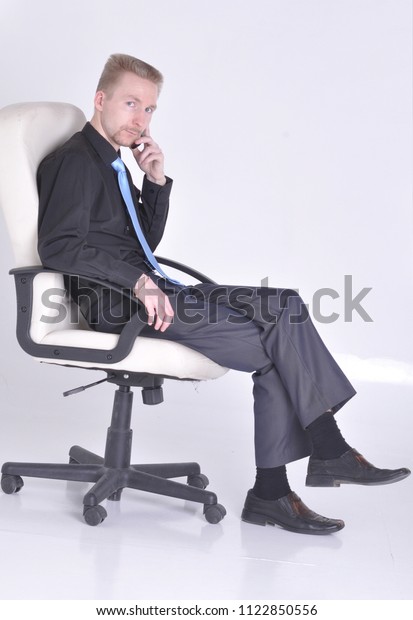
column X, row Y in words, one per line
column 150, row 159
column 160, row 312
column 145, row 141
column 162, row 324
column 165, row 315
column 157, row 305
column 151, row 150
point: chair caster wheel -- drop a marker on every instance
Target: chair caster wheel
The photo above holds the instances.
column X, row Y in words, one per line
column 94, row 515
column 214, row 513
column 198, row 480
column 11, row 484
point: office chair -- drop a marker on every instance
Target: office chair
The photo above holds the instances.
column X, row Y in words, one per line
column 51, row 329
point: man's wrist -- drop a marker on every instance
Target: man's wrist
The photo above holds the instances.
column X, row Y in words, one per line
column 140, row 284
column 159, row 181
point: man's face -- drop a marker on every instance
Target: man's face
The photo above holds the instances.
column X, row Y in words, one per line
column 126, row 111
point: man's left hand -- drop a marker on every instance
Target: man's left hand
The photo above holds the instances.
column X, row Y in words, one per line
column 150, row 159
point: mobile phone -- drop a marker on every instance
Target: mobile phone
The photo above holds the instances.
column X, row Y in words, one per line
column 135, row 146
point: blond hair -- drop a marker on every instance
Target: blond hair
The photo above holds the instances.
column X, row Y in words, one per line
column 118, row 64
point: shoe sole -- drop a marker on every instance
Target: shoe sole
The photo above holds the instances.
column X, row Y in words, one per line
column 321, row 480
column 259, row 519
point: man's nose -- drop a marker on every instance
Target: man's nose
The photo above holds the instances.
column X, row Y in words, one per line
column 139, row 119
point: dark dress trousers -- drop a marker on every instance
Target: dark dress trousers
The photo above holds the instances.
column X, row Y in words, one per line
column 84, row 228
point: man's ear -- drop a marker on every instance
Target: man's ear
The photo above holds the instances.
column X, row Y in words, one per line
column 99, row 98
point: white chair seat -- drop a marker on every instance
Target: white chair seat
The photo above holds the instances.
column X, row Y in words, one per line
column 148, row 355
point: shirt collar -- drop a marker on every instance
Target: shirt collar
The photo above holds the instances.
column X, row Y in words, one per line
column 103, row 148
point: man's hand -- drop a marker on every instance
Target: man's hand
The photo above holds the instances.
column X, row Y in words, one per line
column 157, row 305
column 150, row 159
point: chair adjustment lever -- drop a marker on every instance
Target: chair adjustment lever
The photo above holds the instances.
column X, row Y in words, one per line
column 82, row 388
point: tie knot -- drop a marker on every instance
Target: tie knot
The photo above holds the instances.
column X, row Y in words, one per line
column 118, row 165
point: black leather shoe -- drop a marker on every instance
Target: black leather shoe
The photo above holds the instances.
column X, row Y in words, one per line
column 350, row 468
column 290, row 513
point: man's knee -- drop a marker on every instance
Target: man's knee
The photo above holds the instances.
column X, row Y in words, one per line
column 292, row 302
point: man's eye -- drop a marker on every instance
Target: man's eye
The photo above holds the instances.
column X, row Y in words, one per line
column 149, row 110
column 130, row 104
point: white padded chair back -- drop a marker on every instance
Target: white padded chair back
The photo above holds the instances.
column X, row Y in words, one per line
column 28, row 132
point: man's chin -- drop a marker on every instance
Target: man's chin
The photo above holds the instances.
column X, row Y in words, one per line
column 126, row 141
column 131, row 137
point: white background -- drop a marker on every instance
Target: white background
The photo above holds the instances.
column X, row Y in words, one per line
column 285, row 124
column 287, row 127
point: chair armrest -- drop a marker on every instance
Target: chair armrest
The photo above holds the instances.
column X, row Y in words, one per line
column 23, row 279
column 185, row 269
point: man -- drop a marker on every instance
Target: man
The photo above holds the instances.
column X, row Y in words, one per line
column 87, row 226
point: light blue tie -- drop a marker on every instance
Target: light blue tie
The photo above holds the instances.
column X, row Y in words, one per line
column 119, row 166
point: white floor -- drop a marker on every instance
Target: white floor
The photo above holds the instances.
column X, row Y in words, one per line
column 151, row 547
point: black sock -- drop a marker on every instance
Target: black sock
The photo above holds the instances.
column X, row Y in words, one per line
column 271, row 483
column 327, row 440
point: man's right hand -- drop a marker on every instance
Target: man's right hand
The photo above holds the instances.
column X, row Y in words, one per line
column 157, row 305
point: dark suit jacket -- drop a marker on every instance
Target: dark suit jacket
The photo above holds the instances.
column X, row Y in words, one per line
column 84, row 227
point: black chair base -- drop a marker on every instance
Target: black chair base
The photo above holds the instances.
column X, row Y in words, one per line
column 114, row 472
